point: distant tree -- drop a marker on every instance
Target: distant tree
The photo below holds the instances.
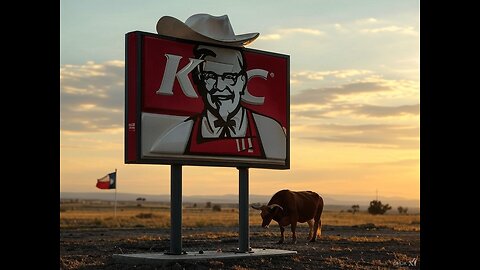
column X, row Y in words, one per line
column 402, row 210
column 377, row 208
column 208, row 205
column 355, row 208
column 217, row 208
column 140, row 200
column 195, row 205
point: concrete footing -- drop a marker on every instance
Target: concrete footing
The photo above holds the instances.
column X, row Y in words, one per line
column 162, row 258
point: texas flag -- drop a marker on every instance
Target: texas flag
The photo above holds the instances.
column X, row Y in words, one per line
column 109, row 181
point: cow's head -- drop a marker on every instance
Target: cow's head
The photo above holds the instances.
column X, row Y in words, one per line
column 268, row 212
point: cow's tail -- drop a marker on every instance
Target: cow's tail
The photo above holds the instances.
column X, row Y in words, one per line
column 317, row 226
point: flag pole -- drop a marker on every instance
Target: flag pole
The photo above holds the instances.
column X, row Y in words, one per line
column 115, row 205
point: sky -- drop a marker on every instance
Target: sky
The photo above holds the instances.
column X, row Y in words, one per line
column 354, row 94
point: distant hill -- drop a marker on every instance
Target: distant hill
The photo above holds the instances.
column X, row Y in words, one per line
column 332, row 202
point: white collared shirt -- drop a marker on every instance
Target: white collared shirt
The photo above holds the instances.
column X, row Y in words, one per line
column 239, row 130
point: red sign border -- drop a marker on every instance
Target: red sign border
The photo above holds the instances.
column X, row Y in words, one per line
column 133, row 97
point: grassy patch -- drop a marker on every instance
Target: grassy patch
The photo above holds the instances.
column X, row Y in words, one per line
column 88, row 216
column 144, row 215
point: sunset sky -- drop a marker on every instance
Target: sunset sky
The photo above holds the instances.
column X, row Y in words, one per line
column 354, row 92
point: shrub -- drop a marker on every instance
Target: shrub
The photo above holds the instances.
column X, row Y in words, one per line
column 217, row 207
column 377, row 208
column 97, row 222
column 200, row 223
column 355, row 208
column 402, row 210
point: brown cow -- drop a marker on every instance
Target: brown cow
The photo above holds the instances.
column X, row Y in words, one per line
column 289, row 207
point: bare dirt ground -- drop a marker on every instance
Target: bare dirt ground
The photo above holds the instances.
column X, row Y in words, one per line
column 339, row 247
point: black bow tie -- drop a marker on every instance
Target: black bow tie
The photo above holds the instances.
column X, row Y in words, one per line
column 226, row 127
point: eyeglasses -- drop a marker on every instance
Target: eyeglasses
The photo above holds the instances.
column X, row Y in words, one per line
column 212, row 77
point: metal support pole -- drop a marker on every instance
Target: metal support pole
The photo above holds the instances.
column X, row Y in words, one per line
column 115, row 205
column 175, row 210
column 244, row 240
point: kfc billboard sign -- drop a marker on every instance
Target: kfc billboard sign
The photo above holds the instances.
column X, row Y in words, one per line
column 198, row 97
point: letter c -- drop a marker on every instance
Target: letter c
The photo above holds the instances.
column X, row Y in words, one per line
column 247, row 97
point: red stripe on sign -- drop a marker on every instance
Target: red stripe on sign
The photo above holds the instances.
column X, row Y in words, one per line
column 130, row 103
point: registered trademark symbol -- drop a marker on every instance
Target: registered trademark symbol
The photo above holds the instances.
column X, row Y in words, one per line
column 272, row 74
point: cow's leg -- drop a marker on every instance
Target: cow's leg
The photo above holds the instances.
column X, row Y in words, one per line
column 310, row 225
column 318, row 222
column 317, row 227
column 282, row 232
column 294, row 236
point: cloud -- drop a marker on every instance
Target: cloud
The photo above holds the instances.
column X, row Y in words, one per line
column 370, row 20
column 315, row 96
column 270, row 37
column 320, row 75
column 380, row 135
column 384, row 111
column 92, row 96
column 324, row 95
column 397, row 163
column 391, row 29
column 282, row 33
column 355, row 110
column 357, row 113
column 307, row 31
column 313, row 113
column 381, row 27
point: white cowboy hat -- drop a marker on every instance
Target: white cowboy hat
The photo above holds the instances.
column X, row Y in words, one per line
column 204, row 28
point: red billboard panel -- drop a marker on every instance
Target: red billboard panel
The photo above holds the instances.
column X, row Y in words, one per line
column 196, row 103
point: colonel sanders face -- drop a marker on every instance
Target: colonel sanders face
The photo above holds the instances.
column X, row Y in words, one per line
column 221, row 79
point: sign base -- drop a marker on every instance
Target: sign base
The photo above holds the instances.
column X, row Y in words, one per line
column 162, row 258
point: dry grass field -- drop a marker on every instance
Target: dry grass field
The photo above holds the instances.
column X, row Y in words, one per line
column 90, row 234
column 76, row 215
